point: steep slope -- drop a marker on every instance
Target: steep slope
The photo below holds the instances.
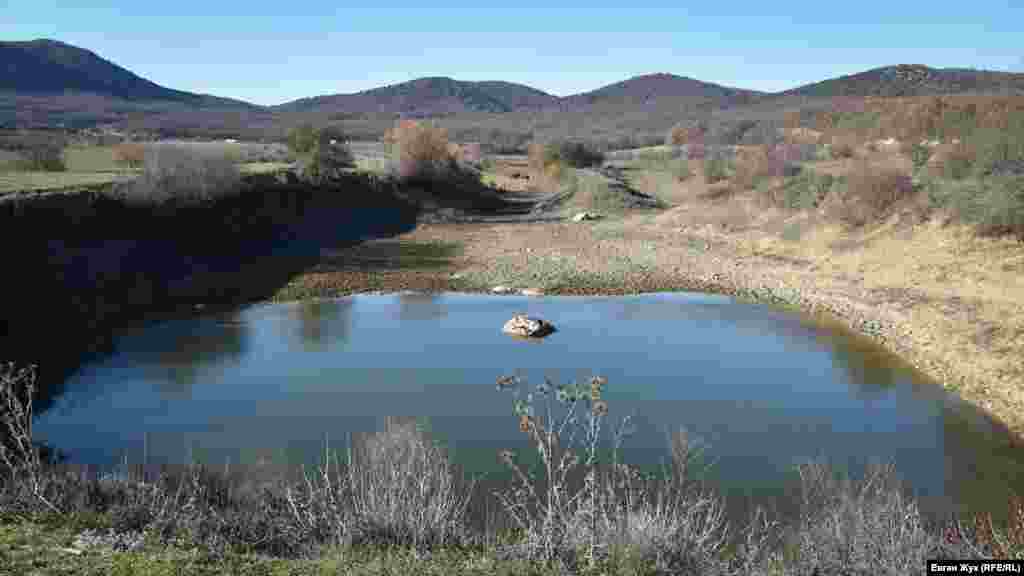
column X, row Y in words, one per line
column 51, row 67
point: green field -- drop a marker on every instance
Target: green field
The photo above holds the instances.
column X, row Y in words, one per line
column 12, row 182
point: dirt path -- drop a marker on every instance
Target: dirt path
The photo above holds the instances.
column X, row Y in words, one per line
column 947, row 302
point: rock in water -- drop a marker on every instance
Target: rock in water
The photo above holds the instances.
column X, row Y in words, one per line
column 522, row 325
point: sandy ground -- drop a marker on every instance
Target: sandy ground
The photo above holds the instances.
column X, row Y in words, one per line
column 944, row 300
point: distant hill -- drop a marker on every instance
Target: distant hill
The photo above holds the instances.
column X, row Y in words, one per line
column 52, row 67
column 650, row 87
column 441, row 96
column 431, row 96
column 46, row 83
column 912, row 80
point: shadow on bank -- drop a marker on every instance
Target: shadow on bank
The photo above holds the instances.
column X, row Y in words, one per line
column 86, row 263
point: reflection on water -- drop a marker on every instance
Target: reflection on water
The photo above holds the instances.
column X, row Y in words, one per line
column 765, row 390
column 322, row 321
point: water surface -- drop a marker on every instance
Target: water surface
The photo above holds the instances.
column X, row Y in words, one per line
column 764, row 390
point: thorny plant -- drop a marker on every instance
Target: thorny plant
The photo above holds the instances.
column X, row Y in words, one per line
column 616, row 507
column 19, row 455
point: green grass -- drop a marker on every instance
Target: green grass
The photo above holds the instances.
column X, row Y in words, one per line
column 11, row 182
column 33, row 547
column 91, row 159
column 10, row 160
column 40, row 181
column 262, row 167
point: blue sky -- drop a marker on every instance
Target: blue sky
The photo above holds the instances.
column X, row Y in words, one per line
column 268, row 53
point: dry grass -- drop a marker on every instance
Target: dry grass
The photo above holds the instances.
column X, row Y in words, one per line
column 869, row 192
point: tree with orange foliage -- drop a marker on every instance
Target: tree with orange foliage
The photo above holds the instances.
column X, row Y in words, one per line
column 131, row 154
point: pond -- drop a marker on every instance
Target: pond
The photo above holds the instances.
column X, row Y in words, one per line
column 762, row 388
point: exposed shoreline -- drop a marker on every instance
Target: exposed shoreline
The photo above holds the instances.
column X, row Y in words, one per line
column 722, row 267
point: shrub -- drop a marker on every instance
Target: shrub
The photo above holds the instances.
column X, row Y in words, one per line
column 868, row 193
column 736, row 134
column 404, row 491
column 678, row 135
column 752, row 167
column 549, row 160
column 302, row 139
column 131, row 154
column 957, row 163
column 576, row 154
column 918, row 153
column 498, row 141
column 325, row 157
column 867, row 527
column 421, row 151
column 183, row 173
column 44, row 153
column 678, row 529
column 993, row 148
column 806, row 190
column 718, row 166
column 994, row 204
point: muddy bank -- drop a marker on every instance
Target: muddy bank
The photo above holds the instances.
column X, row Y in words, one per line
column 644, row 255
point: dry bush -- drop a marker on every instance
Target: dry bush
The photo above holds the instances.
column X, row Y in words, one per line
column 753, row 166
column 422, row 151
column 679, row 135
column 953, row 161
column 997, row 543
column 869, row 193
column 131, row 154
column 183, row 174
column 545, row 163
column 404, row 491
column 865, row 527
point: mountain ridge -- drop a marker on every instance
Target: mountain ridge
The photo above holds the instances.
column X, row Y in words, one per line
column 51, row 82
